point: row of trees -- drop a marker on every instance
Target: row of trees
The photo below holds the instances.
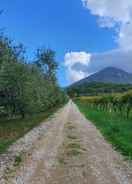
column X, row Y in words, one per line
column 119, row 103
column 96, row 88
column 27, row 87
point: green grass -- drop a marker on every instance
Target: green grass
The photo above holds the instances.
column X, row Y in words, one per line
column 115, row 128
column 18, row 160
column 11, row 130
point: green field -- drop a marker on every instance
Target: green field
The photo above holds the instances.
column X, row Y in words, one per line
column 11, row 130
column 116, row 128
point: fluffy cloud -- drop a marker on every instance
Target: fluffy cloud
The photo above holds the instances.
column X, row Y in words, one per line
column 114, row 13
column 80, row 57
column 125, row 36
column 76, row 58
column 118, row 10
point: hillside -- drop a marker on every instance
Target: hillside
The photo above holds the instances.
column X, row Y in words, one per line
column 109, row 75
column 108, row 80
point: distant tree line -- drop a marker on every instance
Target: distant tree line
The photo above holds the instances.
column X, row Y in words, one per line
column 96, row 88
column 27, row 87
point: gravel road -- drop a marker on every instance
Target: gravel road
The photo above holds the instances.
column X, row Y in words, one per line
column 67, row 149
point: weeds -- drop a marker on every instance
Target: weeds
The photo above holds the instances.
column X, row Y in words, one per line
column 11, row 130
column 71, row 137
column 18, row 160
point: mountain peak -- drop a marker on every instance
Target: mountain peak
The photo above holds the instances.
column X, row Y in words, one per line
column 108, row 75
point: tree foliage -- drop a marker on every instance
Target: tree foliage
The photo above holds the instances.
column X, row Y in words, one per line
column 97, row 88
column 27, row 88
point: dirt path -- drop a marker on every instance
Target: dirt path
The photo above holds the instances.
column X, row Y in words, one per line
column 71, row 151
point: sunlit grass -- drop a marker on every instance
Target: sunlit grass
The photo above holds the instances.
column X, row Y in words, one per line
column 116, row 128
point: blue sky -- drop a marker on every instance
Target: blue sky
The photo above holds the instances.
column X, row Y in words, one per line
column 63, row 25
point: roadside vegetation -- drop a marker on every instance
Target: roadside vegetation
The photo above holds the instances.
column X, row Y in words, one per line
column 29, row 91
column 12, row 129
column 119, row 103
column 112, row 116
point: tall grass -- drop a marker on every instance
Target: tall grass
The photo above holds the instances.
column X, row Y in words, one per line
column 11, row 130
column 116, row 128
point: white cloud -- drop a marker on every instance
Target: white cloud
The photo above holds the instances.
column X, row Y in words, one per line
column 114, row 13
column 125, row 36
column 74, row 75
column 80, row 57
column 76, row 58
column 118, row 10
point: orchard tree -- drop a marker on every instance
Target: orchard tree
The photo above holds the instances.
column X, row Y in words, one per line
column 47, row 63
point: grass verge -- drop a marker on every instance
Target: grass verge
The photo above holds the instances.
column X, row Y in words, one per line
column 115, row 128
column 11, row 130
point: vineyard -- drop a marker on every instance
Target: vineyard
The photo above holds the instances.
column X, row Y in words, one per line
column 111, row 114
column 118, row 103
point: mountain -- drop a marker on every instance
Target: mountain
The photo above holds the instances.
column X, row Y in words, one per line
column 108, row 75
column 108, row 80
